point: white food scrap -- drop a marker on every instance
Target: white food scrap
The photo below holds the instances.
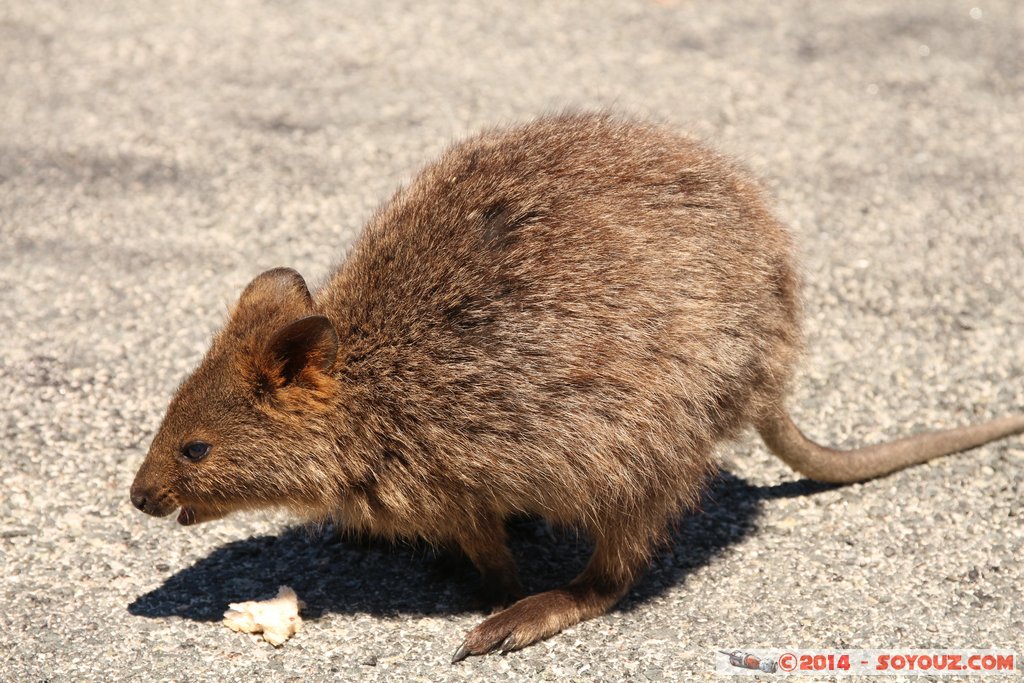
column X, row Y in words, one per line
column 277, row 619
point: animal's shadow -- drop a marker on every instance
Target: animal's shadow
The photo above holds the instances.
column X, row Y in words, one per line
column 332, row 573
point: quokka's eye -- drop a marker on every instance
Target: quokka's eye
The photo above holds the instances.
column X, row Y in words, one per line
column 195, row 450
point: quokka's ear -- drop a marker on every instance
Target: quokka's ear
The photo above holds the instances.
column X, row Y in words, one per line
column 307, row 345
column 277, row 289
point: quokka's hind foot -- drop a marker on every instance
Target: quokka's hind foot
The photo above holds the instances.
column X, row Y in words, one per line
column 605, row 580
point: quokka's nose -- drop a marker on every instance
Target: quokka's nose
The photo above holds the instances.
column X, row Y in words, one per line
column 139, row 500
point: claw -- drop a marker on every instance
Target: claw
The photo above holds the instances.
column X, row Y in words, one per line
column 508, row 645
column 461, row 653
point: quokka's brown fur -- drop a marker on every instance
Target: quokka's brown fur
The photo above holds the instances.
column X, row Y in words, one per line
column 561, row 319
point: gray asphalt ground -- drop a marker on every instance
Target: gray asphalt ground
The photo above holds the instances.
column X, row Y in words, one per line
column 155, row 156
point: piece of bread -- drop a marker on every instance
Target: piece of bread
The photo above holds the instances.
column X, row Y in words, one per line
column 277, row 618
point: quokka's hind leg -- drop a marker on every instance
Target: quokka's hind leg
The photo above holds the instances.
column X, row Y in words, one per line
column 619, row 557
column 487, row 549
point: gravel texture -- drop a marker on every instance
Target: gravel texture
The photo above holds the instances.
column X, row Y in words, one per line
column 155, row 156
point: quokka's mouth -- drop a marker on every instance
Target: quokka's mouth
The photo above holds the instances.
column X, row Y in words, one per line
column 187, row 516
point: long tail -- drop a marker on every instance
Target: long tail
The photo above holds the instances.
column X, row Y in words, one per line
column 843, row 467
